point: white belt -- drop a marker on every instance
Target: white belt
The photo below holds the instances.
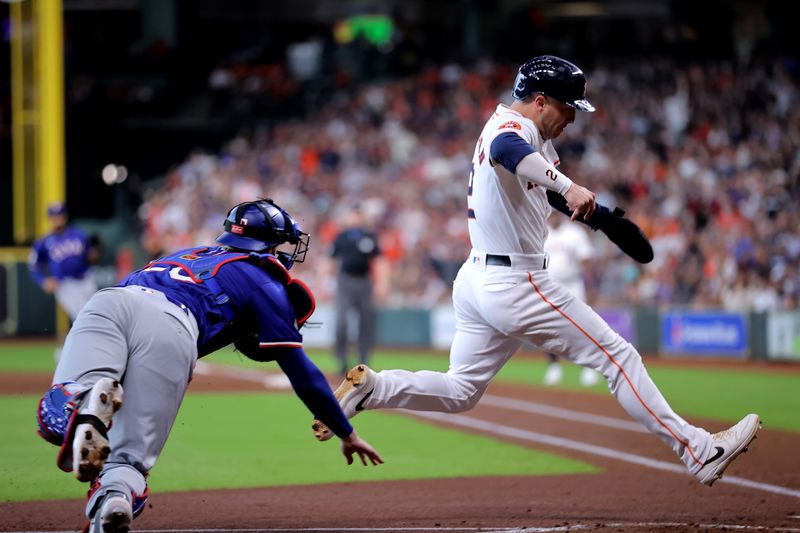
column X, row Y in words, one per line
column 513, row 261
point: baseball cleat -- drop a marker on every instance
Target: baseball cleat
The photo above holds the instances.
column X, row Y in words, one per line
column 726, row 446
column 113, row 516
column 90, row 446
column 352, row 394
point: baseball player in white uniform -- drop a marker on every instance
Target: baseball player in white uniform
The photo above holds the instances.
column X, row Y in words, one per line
column 569, row 250
column 504, row 294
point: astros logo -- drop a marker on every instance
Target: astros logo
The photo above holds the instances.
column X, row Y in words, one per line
column 510, row 124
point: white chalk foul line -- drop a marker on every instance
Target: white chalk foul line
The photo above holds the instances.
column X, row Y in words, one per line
column 270, row 380
column 635, row 526
column 531, row 436
column 680, row 526
column 342, row 529
column 211, row 369
column 559, row 412
column 542, row 409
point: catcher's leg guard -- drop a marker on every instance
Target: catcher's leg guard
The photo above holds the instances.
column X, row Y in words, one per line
column 76, row 418
column 57, row 410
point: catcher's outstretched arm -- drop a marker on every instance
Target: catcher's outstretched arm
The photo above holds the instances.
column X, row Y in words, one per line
column 620, row 230
column 311, row 386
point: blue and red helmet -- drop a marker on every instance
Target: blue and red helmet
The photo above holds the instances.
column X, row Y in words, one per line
column 554, row 77
column 262, row 226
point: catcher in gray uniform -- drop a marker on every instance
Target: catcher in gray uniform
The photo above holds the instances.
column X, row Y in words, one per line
column 144, row 336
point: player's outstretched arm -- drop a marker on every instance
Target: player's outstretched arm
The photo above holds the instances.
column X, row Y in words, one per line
column 355, row 444
column 312, row 388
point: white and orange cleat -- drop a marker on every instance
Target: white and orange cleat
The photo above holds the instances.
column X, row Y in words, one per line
column 352, row 395
column 726, row 446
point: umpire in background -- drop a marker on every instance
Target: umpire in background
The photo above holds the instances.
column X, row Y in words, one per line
column 363, row 274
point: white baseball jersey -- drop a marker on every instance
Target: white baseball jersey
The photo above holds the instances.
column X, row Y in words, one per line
column 504, row 296
column 507, row 214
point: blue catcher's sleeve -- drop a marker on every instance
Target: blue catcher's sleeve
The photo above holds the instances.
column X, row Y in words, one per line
column 311, row 387
column 509, row 149
column 274, row 314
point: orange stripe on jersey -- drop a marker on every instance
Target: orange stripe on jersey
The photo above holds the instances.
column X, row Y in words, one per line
column 611, row 358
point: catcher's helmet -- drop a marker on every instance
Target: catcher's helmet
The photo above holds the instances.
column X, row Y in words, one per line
column 262, row 225
column 555, row 77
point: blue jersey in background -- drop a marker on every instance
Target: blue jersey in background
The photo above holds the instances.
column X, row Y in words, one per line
column 60, row 255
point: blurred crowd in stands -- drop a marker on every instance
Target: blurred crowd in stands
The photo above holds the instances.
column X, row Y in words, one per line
column 706, row 158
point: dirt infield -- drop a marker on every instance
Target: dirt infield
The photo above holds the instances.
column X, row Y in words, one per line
column 761, row 492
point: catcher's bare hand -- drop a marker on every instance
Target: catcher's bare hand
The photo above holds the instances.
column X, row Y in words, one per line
column 355, row 444
column 580, row 201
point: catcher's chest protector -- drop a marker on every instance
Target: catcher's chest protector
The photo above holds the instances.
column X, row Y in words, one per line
column 202, row 264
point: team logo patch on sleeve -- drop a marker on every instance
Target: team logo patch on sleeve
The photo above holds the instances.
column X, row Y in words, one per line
column 190, row 257
column 510, row 124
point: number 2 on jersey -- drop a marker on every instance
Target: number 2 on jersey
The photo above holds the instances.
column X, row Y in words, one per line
column 480, row 155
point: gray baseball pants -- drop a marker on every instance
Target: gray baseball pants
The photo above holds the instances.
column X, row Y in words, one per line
column 72, row 294
column 138, row 337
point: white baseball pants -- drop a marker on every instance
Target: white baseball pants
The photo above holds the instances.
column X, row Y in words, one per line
column 498, row 308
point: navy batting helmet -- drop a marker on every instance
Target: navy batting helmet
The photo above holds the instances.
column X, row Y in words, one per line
column 555, row 77
column 261, row 225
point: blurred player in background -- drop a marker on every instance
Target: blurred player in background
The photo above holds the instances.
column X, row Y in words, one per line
column 363, row 279
column 144, row 336
column 570, row 251
column 59, row 262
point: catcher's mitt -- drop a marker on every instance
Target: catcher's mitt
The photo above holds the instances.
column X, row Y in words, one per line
column 625, row 234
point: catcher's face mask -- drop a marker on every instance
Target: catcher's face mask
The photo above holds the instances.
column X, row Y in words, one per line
column 263, row 226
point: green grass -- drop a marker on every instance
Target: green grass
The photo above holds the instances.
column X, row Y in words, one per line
column 731, row 394
column 248, row 440
column 27, row 358
column 253, row 440
column 724, row 394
